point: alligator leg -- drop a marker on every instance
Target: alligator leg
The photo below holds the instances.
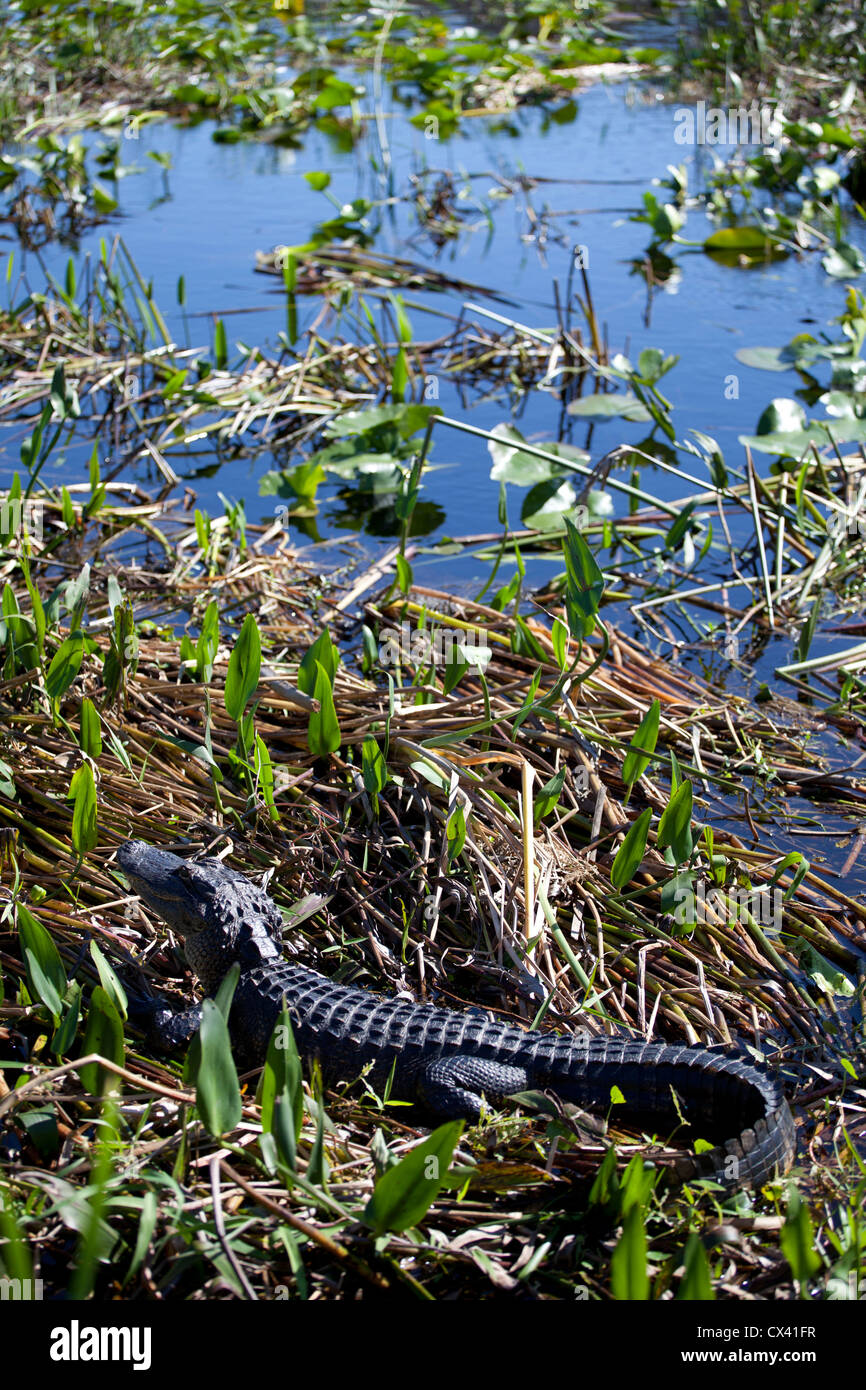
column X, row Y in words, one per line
column 454, row 1087
column 165, row 1029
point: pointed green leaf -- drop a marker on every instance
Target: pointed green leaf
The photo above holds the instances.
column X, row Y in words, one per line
column 323, row 733
column 631, row 851
column 584, row 583
column 324, row 653
column 65, row 665
column 405, row 1193
column 46, row 975
column 90, row 736
column 109, row 980
column 798, row 1239
column 675, row 824
column 103, row 1034
column 628, row 1272
column 549, row 795
column 85, row 832
column 218, row 1096
column 642, row 746
column 64, row 1035
column 695, row 1284
column 245, row 664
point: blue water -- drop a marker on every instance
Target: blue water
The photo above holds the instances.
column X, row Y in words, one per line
column 222, row 203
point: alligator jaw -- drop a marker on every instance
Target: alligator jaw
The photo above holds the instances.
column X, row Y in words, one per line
column 167, row 884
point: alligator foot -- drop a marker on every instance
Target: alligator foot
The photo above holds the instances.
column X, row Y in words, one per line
column 165, row 1030
column 454, row 1088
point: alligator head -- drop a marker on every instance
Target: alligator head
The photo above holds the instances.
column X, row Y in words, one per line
column 221, row 915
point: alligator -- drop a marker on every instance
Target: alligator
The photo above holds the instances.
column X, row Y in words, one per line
column 448, row 1063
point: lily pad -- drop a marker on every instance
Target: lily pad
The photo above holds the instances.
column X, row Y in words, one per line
column 736, row 245
column 512, row 465
column 609, row 407
column 546, row 503
column 844, row 262
column 782, row 416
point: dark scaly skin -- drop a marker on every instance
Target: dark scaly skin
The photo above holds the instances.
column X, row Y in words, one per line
column 447, row 1061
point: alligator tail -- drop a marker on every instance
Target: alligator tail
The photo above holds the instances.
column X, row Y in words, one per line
column 725, row 1098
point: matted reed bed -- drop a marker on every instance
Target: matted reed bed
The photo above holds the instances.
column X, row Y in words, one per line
column 467, row 856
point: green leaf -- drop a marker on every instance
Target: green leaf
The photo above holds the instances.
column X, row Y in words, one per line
column 46, row 975
column 781, row 416
column 103, row 1034
column 584, row 585
column 678, row 530
column 85, row 831
column 75, row 595
column 766, row 359
column 512, row 465
column 109, row 980
column 67, row 509
column 146, row 1227
column 695, row 1284
column 64, row 1034
column 736, row 244
column 642, row 746
column 202, row 529
column 265, row 776
column 245, row 664
column 323, row 653
column 223, row 1000
column 408, row 418
column 323, row 733
column 608, row 406
column 405, row 1193
column 208, row 642
column 404, row 574
column 90, row 736
column 652, row 365
column 798, row 1239
column 220, row 345
column 825, row 975
column 218, row 1096
column 103, row 201
column 41, row 1128
column 15, row 1260
column 675, row 824
column 605, row 1188
column 282, row 1075
column 844, row 261
column 375, row 771
column 549, row 795
column 65, row 665
column 546, row 504
column 455, row 831
column 847, row 430
column 628, row 1272
column 559, row 637
column 455, row 668
column 631, row 851
column 39, row 619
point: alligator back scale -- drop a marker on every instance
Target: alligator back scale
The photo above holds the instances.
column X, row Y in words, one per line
column 446, row 1061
